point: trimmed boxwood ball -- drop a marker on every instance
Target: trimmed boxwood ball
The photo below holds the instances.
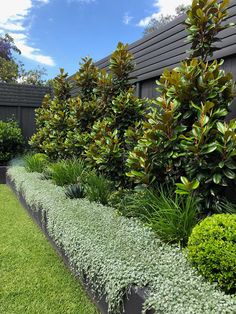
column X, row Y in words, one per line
column 212, row 250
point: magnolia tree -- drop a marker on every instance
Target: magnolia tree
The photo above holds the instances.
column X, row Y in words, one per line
column 185, row 136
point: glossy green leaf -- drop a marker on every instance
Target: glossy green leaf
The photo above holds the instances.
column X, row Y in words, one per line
column 217, row 178
column 229, row 173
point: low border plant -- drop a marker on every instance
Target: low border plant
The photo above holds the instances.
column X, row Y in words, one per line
column 116, row 253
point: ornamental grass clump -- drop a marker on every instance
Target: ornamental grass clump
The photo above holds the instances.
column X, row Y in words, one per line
column 66, row 172
column 212, row 250
column 36, row 162
column 97, row 188
column 185, row 133
column 172, row 217
column 116, row 253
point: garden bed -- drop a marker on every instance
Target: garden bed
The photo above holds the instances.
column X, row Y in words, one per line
column 116, row 253
column 132, row 303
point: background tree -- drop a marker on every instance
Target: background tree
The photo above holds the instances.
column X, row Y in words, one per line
column 9, row 69
column 13, row 71
column 162, row 20
column 33, row 77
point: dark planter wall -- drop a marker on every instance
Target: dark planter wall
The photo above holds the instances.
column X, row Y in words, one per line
column 3, row 170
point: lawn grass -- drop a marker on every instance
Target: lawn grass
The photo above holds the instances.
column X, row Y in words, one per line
column 33, row 279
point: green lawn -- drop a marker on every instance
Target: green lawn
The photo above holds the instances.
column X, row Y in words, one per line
column 33, row 279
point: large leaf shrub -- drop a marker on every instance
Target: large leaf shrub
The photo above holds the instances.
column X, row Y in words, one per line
column 86, row 79
column 79, row 126
column 11, row 141
column 108, row 148
column 54, row 119
column 185, row 133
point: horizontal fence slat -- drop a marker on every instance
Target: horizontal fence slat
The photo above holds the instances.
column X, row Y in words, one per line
column 21, row 101
column 167, row 43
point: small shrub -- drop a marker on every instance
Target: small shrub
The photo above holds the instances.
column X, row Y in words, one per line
column 36, row 162
column 65, row 172
column 11, row 141
column 98, row 188
column 212, row 250
column 75, row 191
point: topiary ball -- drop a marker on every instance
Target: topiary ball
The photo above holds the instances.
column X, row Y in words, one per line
column 212, row 250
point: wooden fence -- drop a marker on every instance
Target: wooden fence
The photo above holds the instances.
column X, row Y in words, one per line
column 19, row 102
column 166, row 48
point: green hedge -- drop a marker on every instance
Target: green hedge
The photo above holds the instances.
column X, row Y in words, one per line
column 11, row 141
column 116, row 253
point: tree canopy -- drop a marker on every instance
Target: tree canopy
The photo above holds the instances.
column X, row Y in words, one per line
column 156, row 23
column 13, row 71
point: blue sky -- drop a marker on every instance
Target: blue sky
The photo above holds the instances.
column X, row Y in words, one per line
column 57, row 33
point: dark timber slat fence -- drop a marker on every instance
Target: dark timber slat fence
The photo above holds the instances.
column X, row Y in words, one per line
column 166, row 48
column 19, row 102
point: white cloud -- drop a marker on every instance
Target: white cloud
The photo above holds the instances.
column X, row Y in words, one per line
column 165, row 7
column 127, row 18
column 81, row 1
column 13, row 16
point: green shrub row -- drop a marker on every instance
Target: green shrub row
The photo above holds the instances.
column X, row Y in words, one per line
column 116, row 253
column 11, row 141
column 182, row 133
column 93, row 125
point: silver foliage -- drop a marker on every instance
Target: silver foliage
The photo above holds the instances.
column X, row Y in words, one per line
column 116, row 253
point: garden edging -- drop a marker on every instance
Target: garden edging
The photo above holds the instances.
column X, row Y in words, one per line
column 132, row 303
column 3, row 171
